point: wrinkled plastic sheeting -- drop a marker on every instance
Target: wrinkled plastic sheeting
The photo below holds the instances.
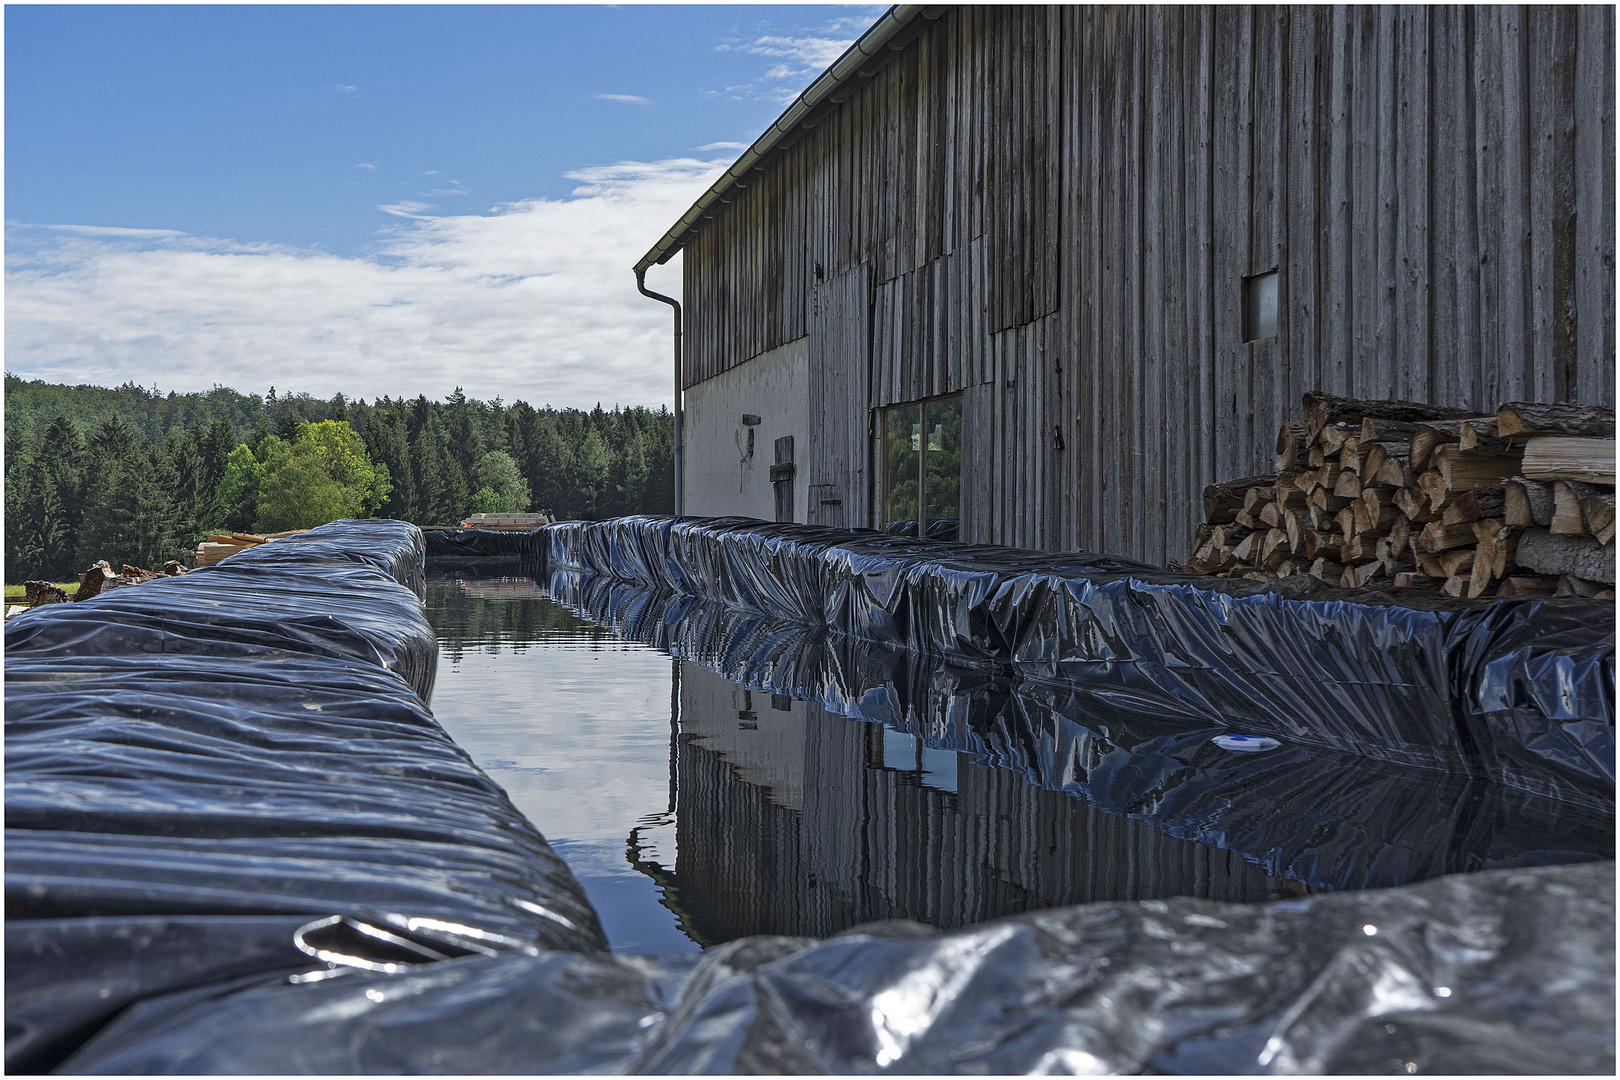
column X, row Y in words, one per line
column 333, row 547
column 486, row 543
column 1350, row 823
column 356, row 597
column 1500, row 972
column 198, row 767
column 1520, row 690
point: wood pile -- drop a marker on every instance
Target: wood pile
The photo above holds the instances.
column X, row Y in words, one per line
column 221, row 546
column 506, row 522
column 1402, row 494
column 101, row 577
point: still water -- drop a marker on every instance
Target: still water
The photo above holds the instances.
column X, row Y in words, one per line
column 695, row 810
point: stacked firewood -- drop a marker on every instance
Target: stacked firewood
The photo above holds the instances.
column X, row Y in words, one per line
column 222, row 546
column 1397, row 493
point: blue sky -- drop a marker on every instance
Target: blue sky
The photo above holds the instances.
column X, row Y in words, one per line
column 372, row 199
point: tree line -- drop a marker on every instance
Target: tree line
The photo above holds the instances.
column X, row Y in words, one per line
column 135, row 476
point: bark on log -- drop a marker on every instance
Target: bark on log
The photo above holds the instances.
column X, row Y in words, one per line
column 1324, row 409
column 1377, row 429
column 1538, row 418
column 1579, row 556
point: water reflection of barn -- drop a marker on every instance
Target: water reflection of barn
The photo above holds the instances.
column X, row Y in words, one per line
column 793, row 820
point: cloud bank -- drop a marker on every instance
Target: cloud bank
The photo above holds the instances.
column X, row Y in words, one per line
column 534, row 300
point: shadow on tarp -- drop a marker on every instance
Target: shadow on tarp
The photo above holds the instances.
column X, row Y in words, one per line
column 1321, row 817
column 1517, row 690
column 198, row 767
column 1507, row 971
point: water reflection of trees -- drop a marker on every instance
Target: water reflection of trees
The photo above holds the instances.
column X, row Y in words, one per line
column 462, row 616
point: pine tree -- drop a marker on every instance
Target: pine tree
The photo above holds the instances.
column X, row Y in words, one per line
column 62, row 456
column 386, row 443
column 22, row 511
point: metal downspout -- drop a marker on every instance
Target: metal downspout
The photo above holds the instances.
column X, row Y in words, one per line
column 641, row 284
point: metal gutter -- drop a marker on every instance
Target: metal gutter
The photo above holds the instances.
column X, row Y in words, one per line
column 844, row 69
column 680, row 382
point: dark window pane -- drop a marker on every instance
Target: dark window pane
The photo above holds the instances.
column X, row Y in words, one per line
column 901, row 432
column 943, row 461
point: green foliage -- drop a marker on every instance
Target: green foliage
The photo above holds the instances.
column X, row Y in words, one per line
column 297, row 492
column 321, row 475
column 501, row 487
column 132, row 475
column 237, row 493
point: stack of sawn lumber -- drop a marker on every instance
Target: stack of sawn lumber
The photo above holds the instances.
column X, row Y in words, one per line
column 222, row 546
column 1398, row 493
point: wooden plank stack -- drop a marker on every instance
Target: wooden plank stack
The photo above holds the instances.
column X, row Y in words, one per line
column 221, row 546
column 506, row 522
column 1406, row 495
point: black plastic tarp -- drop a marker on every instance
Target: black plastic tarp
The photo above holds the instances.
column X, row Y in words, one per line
column 238, row 842
column 485, row 543
column 1318, row 816
column 1519, row 690
column 1501, row 972
column 197, row 767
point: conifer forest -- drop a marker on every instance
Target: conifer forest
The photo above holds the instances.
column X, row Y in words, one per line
column 135, row 476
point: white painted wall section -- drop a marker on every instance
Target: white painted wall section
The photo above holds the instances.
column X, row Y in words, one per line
column 721, row 476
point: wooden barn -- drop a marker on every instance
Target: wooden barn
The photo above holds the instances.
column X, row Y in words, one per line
column 1048, row 271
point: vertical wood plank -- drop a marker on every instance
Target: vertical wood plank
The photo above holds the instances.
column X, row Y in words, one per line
column 1594, row 205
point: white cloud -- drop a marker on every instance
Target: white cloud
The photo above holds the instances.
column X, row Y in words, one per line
column 114, row 230
column 405, row 208
column 344, row 88
column 372, row 165
column 722, row 146
column 431, row 172
column 812, row 51
column 625, row 99
column 534, row 300
column 804, row 54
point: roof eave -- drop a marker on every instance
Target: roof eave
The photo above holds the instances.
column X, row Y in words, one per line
column 845, row 68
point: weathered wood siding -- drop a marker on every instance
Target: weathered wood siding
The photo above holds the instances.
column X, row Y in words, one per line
column 1056, row 207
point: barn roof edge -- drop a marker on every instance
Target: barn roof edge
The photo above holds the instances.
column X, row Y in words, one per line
column 842, row 70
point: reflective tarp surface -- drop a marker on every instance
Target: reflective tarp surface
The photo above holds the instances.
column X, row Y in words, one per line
column 198, row 767
column 1519, row 690
column 1321, row 817
column 238, row 842
column 1501, row 972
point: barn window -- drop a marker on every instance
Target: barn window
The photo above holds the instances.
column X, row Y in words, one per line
column 1260, row 306
column 921, row 459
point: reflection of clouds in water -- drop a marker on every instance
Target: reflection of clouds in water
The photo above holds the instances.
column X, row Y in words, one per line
column 580, row 746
